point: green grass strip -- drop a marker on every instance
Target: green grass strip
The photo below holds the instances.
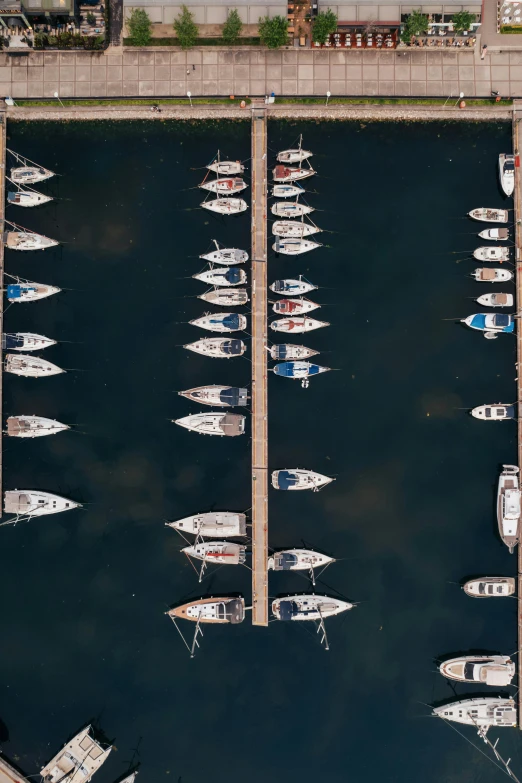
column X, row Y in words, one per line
column 136, row 102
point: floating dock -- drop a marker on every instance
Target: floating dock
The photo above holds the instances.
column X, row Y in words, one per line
column 9, row 774
column 259, row 369
column 517, row 216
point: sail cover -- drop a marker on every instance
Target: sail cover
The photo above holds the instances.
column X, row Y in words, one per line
column 233, row 396
column 12, row 341
column 233, row 275
column 501, row 319
column 232, row 347
column 287, row 610
column 15, row 291
column 235, row 611
column 286, row 479
column 283, row 561
column 230, row 321
column 280, row 351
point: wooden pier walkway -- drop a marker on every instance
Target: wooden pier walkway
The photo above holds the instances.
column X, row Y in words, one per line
column 259, row 369
column 9, row 774
column 517, row 117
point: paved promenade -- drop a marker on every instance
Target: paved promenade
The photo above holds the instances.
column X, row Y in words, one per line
column 259, row 72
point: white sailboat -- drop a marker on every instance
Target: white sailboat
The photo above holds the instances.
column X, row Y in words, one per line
column 225, row 297
column 225, row 524
column 21, row 239
column 285, row 351
column 33, row 426
column 290, row 209
column 488, row 215
column 227, row 167
column 217, row 347
column 508, row 506
column 222, row 276
column 216, row 552
column 28, row 503
column 483, row 275
column 289, row 246
column 299, row 560
column 211, row 610
column 28, row 173
column 506, row 168
column 491, row 253
column 294, row 306
column 30, row 366
column 294, row 155
column 490, row 587
column 292, row 287
column 225, row 206
column 221, row 396
column 287, row 191
column 297, row 325
column 221, row 322
column 481, row 712
column 296, row 479
column 225, row 255
column 493, row 670
column 27, row 198
column 287, row 174
column 24, row 291
column 224, row 186
column 308, row 607
column 224, row 424
column 293, row 228
column 496, row 300
column 83, row 755
column 25, row 341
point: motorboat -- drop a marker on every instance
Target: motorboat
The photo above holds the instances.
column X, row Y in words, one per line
column 490, row 587
column 27, row 240
column 295, row 155
column 289, row 246
column 28, row 175
column 508, row 506
column 491, row 253
column 292, row 287
column 30, row 366
column 287, row 191
column 33, row 426
column 221, row 322
column 291, row 352
column 225, row 255
column 294, row 306
column 308, row 607
column 290, row 209
column 299, row 479
column 495, row 670
column 26, row 198
column 282, row 173
column 217, row 347
column 211, row 610
column 25, row 341
column 224, row 186
column 222, row 396
column 497, row 412
column 506, row 168
column 227, row 167
column 487, row 215
column 293, row 228
column 300, row 371
column 227, row 424
column 298, row 560
column 492, row 324
column 219, row 552
column 225, row 297
column 225, row 206
column 225, row 524
column 493, row 234
column 496, row 300
column 33, row 503
column 83, row 755
column 297, row 325
column 483, row 275
column 30, row 292
column 481, row 712
column 222, row 276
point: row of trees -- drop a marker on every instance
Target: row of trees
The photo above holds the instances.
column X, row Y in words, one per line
column 417, row 23
column 273, row 32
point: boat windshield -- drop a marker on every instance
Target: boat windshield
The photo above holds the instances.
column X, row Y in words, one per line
column 469, row 671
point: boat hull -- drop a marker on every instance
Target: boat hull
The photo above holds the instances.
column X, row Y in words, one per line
column 225, row 206
column 224, row 297
column 490, row 587
column 221, row 322
column 211, row 610
column 228, row 425
column 33, row 427
column 292, row 209
column 27, row 502
column 297, row 479
column 496, row 300
column 508, row 506
column 30, row 366
column 298, row 325
column 222, row 524
column 30, row 292
column 308, row 607
column 484, row 712
column 487, row 215
column 492, row 275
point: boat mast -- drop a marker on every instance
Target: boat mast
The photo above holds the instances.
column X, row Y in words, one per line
column 198, row 631
column 322, row 627
column 482, row 731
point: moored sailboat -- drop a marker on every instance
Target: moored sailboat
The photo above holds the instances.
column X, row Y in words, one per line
column 221, row 322
column 211, row 610
column 294, row 306
column 295, row 479
column 295, row 154
column 225, row 524
column 30, row 292
column 224, row 424
column 222, row 396
column 33, row 503
column 297, row 324
column 287, row 191
column 30, row 366
column 28, row 173
column 493, row 670
column 285, row 351
column 491, row 253
column 21, row 239
column 286, row 174
column 225, row 255
column 27, row 198
column 308, row 607
column 219, row 552
column 290, row 209
column 300, row 371
column 498, row 412
column 33, row 426
column 225, row 297
column 483, row 275
column 217, row 347
column 496, row 300
column 25, row 341
column 225, row 206
column 222, row 276
column 224, row 185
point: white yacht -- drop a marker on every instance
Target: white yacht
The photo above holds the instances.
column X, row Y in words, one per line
column 290, row 209
column 219, row 552
column 211, row 610
column 27, row 198
column 298, row 560
column 508, row 506
column 225, row 297
column 299, row 479
column 33, row 426
column 496, row 300
column 490, row 587
column 282, row 173
column 33, row 503
column 491, row 253
column 487, row 215
column 224, row 185
column 506, row 168
column 30, row 292
column 483, row 275
column 225, row 524
column 493, row 234
column 293, row 228
column 495, row 670
column 222, row 396
column 25, row 341
column 294, row 306
column 294, row 247
column 225, row 255
column 80, row 758
column 297, row 325
column 291, row 352
column 498, row 412
column 221, row 322
column 308, row 607
column 481, row 712
column 225, row 206
column 28, row 175
column 227, row 276
column 287, row 191
column 217, row 347
column 228, row 424
column 30, row 366
column 292, row 287
column 27, row 240
column 227, row 167
column 294, row 155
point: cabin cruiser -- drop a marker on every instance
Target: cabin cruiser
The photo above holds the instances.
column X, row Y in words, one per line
column 33, row 426
column 294, row 247
column 211, row 610
column 300, row 371
column 222, row 276
column 496, row 300
column 292, row 287
column 480, row 712
column 225, row 206
column 298, row 560
column 227, row 167
column 497, row 412
column 491, row 253
column 288, row 306
column 298, row 479
column 296, row 155
column 222, row 396
column 225, row 186
column 220, row 552
column 492, row 324
column 30, row 292
column 487, row 215
column 226, row 255
column 25, row 341
column 508, row 506
column 495, row 670
column 32, row 503
column 308, row 607
column 224, row 524
column 490, row 587
column 225, row 297
column 282, row 173
column 228, row 424
column 30, row 366
column 297, row 325
column 217, row 347
column 293, row 228
column 291, row 352
column 501, row 234
column 221, row 322
column 483, row 275
column 28, row 175
column 27, row 198
column 82, row 754
column 290, row 209
column 506, row 168
column 26, row 240
column 286, row 191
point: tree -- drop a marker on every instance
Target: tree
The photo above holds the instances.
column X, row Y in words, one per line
column 139, row 27
column 325, row 24
column 186, row 28
column 273, row 32
column 462, row 20
column 415, row 24
column 232, row 27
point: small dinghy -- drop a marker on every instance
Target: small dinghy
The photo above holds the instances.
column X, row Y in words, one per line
column 296, row 155
column 222, row 276
column 221, row 322
column 294, row 306
column 498, row 412
column 33, row 426
column 495, row 233
column 282, row 173
column 491, row 253
column 492, row 324
column 30, row 366
column 225, row 186
column 294, row 479
column 506, row 169
column 308, row 607
column 481, row 712
column 298, row 560
column 225, row 255
column 32, row 503
column 490, row 587
column 483, row 275
column 495, row 670
column 225, row 524
column 211, row 610
column 487, row 215
column 30, row 292
column 225, row 206
column 286, row 191
column 220, row 552
column 225, row 297
column 25, row 341
column 28, row 175
column 292, row 287
column 496, row 300
column 297, row 325
column 293, row 228
column 508, row 506
column 27, row 198
column 290, row 352
column 224, row 424
column 227, row 167
column 300, row 371
column 217, row 347
column 222, row 396
column 290, row 209
column 26, row 240
column 294, row 247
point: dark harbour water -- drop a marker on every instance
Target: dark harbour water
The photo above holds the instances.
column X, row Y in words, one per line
column 411, row 512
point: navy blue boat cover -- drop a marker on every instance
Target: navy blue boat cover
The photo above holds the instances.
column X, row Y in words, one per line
column 510, row 411
column 12, row 341
column 285, row 560
column 15, row 291
column 509, row 165
column 279, row 285
column 286, row 369
column 501, row 319
column 230, row 321
column 232, row 347
column 233, row 396
column 287, row 609
column 280, row 351
column 286, row 479
column 233, row 275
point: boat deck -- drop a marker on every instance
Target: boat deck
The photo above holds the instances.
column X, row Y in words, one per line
column 517, row 117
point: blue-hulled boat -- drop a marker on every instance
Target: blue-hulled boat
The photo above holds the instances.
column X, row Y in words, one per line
column 491, row 324
column 299, row 371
